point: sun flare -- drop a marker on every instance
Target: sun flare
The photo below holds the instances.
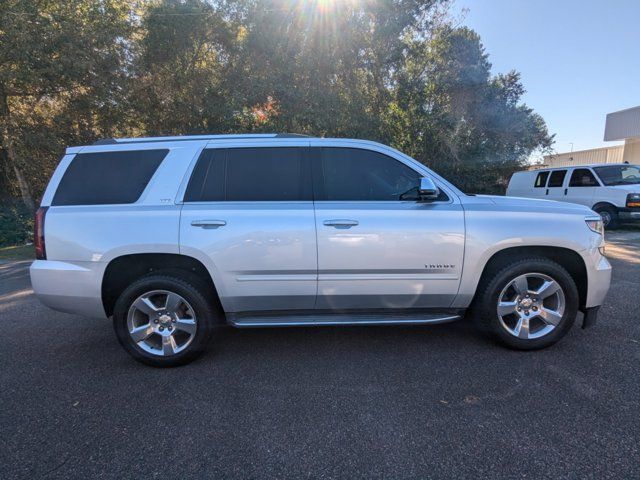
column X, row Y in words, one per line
column 331, row 6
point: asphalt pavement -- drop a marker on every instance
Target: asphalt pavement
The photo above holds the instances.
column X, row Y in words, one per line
column 345, row 402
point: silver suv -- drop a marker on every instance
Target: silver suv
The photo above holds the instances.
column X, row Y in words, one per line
column 174, row 236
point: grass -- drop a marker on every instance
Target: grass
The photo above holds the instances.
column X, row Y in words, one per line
column 17, row 252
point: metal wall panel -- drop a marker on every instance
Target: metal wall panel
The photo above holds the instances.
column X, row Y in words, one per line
column 622, row 124
column 585, row 157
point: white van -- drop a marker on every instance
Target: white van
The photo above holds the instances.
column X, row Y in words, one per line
column 612, row 190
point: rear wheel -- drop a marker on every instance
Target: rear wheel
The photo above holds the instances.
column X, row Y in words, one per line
column 609, row 216
column 529, row 304
column 163, row 321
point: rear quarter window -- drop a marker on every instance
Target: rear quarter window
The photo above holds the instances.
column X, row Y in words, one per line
column 107, row 177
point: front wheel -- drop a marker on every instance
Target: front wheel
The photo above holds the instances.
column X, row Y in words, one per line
column 609, row 216
column 528, row 305
column 163, row 321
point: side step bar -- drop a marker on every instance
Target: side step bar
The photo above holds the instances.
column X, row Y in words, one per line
column 304, row 320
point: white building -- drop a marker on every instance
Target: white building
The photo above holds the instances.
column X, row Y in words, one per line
column 622, row 125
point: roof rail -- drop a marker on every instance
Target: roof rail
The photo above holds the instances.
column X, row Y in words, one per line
column 186, row 138
column 105, row 141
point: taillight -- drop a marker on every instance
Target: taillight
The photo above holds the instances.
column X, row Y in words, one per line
column 38, row 233
column 633, row 200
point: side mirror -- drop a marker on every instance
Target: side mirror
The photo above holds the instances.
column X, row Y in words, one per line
column 428, row 190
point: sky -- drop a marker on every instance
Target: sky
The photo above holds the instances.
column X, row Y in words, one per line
column 579, row 60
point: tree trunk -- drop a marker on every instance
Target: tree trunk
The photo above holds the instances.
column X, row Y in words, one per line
column 7, row 145
column 25, row 192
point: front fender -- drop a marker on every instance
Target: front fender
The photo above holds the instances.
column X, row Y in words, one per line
column 489, row 232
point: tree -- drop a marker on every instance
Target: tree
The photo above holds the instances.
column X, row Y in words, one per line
column 395, row 71
column 326, row 66
column 60, row 69
column 452, row 114
column 182, row 68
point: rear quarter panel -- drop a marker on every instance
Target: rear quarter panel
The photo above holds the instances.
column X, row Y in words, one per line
column 521, row 184
column 100, row 233
column 81, row 240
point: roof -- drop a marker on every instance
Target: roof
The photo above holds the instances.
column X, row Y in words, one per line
column 185, row 138
column 622, row 124
column 589, row 165
column 166, row 142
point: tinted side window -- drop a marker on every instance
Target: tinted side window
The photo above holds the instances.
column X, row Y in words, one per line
column 250, row 174
column 365, row 175
column 557, row 178
column 541, row 179
column 582, row 177
column 107, row 177
column 207, row 181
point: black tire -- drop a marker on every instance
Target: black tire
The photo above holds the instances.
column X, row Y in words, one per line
column 486, row 316
column 609, row 215
column 190, row 291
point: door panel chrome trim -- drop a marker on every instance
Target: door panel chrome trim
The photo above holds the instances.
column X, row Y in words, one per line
column 277, row 278
column 241, row 321
column 387, row 276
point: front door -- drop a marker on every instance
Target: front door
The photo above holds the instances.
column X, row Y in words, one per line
column 248, row 216
column 378, row 247
column 582, row 187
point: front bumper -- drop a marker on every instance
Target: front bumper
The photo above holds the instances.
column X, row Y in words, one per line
column 599, row 278
column 590, row 317
column 628, row 215
column 69, row 287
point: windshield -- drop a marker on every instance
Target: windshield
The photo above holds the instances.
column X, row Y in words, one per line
column 619, row 174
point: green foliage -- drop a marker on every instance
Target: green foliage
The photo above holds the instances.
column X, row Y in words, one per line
column 62, row 81
column 451, row 114
column 396, row 71
column 16, row 224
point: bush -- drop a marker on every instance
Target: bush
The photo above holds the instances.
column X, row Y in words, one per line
column 16, row 224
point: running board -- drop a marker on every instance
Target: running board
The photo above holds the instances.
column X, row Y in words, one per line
column 304, row 320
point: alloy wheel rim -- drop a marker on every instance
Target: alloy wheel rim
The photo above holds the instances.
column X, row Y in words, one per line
column 161, row 323
column 531, row 306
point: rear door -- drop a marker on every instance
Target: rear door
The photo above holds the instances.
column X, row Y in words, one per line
column 582, row 187
column 378, row 247
column 555, row 185
column 248, row 215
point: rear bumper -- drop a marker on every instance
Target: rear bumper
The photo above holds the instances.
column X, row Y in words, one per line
column 69, row 287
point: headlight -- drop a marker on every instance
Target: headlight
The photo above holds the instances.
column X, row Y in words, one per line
column 633, row 200
column 595, row 225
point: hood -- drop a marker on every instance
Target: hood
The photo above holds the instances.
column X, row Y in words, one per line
column 632, row 188
column 536, row 204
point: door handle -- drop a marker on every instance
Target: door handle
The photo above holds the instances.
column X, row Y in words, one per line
column 547, row 192
column 340, row 223
column 565, row 191
column 208, row 223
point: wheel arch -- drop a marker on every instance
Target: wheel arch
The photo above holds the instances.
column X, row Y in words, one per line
column 604, row 204
column 125, row 269
column 569, row 259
